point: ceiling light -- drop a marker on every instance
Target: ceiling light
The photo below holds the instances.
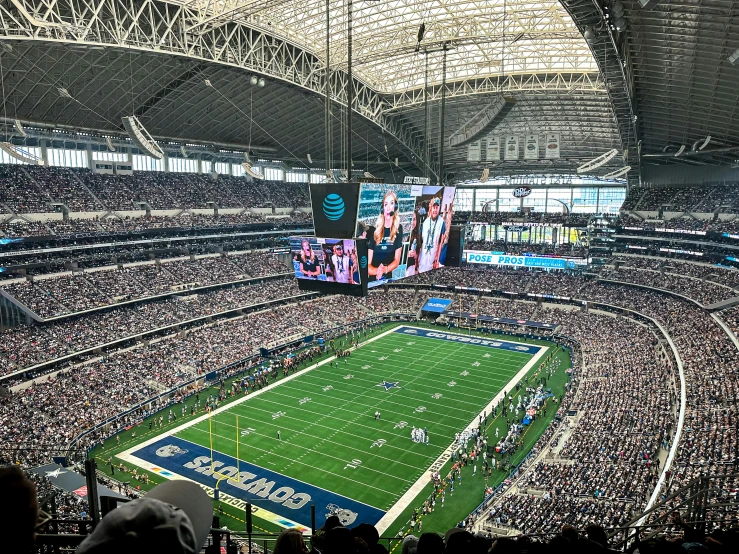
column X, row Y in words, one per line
column 734, row 58
column 682, row 149
column 261, row 82
column 589, row 34
column 253, row 80
column 620, row 24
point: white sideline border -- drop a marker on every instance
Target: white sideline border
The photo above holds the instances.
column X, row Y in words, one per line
column 396, row 509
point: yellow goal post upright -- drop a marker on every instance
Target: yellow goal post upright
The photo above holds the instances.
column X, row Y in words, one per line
column 236, row 478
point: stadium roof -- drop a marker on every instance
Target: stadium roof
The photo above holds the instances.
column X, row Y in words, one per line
column 485, row 37
column 662, row 82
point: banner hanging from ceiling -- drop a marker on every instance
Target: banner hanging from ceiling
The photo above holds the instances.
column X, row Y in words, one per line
column 552, row 146
column 531, row 147
column 511, row 147
column 493, row 153
column 473, row 151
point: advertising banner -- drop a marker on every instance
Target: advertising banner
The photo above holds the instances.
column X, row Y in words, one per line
column 507, row 260
column 334, row 209
column 437, row 305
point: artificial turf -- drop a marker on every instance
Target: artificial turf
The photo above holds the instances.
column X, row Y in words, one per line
column 329, row 435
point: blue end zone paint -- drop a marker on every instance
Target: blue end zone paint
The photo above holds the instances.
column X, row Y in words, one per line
column 272, row 491
column 477, row 341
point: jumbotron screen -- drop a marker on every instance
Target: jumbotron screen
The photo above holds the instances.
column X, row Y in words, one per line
column 330, row 265
column 331, row 260
column 407, row 228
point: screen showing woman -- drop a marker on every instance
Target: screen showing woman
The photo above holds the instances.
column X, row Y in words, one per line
column 385, row 244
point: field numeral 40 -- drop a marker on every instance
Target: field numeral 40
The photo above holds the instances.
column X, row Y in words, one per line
column 354, row 464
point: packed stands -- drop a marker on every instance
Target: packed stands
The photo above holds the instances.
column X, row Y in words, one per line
column 67, row 294
column 33, row 189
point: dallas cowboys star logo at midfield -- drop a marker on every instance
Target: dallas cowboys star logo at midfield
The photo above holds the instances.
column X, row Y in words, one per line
column 388, row 386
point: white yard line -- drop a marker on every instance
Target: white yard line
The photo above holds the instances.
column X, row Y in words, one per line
column 399, row 507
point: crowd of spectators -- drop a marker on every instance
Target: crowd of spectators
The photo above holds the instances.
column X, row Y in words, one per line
column 606, row 467
column 704, row 292
column 66, row 294
column 703, row 198
column 519, row 248
column 31, row 189
column 90, row 227
column 62, row 186
column 25, row 347
column 543, row 218
column 19, row 194
column 55, row 409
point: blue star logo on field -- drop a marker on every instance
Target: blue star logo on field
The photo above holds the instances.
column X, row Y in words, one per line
column 388, row 386
column 363, row 262
column 333, row 207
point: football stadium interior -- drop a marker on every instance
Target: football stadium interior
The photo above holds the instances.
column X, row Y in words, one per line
column 369, row 276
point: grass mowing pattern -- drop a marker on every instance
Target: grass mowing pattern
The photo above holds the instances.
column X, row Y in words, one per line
column 324, row 429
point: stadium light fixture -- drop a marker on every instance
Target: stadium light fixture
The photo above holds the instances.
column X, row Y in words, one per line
column 310, row 160
column 705, row 143
column 109, row 143
column 261, row 82
column 183, row 151
column 485, row 175
column 618, row 173
column 649, row 4
column 20, row 129
column 734, row 58
column 682, row 149
column 253, row 79
column 250, row 171
column 141, row 137
column 599, row 161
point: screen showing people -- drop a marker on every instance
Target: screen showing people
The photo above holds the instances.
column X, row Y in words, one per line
column 406, row 227
column 331, row 260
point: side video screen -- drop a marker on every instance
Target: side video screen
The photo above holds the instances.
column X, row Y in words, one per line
column 331, row 260
column 406, row 227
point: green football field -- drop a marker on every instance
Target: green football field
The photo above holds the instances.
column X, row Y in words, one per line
column 330, row 439
column 324, row 431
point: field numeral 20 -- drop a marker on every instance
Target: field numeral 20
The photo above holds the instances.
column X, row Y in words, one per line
column 378, row 443
column 354, row 464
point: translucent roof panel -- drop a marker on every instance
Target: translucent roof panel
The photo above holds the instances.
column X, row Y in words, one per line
column 486, row 38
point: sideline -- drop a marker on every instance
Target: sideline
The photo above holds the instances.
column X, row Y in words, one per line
column 399, row 507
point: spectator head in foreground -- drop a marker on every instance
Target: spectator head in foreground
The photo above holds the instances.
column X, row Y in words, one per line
column 175, row 517
column 290, row 541
column 18, row 510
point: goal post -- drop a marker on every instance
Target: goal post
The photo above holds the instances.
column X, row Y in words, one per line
column 212, row 432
